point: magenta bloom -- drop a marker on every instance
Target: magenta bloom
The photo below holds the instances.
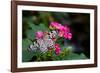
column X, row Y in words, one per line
column 39, row 34
column 66, row 36
column 69, row 36
column 63, row 31
column 67, row 29
column 57, row 49
column 55, row 25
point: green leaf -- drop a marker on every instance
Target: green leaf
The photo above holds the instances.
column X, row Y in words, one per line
column 74, row 56
column 26, row 43
column 26, row 55
column 30, row 34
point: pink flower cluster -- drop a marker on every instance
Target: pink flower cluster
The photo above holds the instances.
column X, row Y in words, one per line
column 39, row 34
column 63, row 31
column 57, row 49
column 60, row 30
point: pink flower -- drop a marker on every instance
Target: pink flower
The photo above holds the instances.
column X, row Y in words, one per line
column 57, row 49
column 65, row 32
column 67, row 29
column 39, row 34
column 61, row 33
column 55, row 25
column 69, row 36
column 66, row 35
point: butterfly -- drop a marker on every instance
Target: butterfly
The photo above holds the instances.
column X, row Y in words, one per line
column 45, row 43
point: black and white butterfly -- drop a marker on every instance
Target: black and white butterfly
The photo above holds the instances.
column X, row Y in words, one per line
column 45, row 43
